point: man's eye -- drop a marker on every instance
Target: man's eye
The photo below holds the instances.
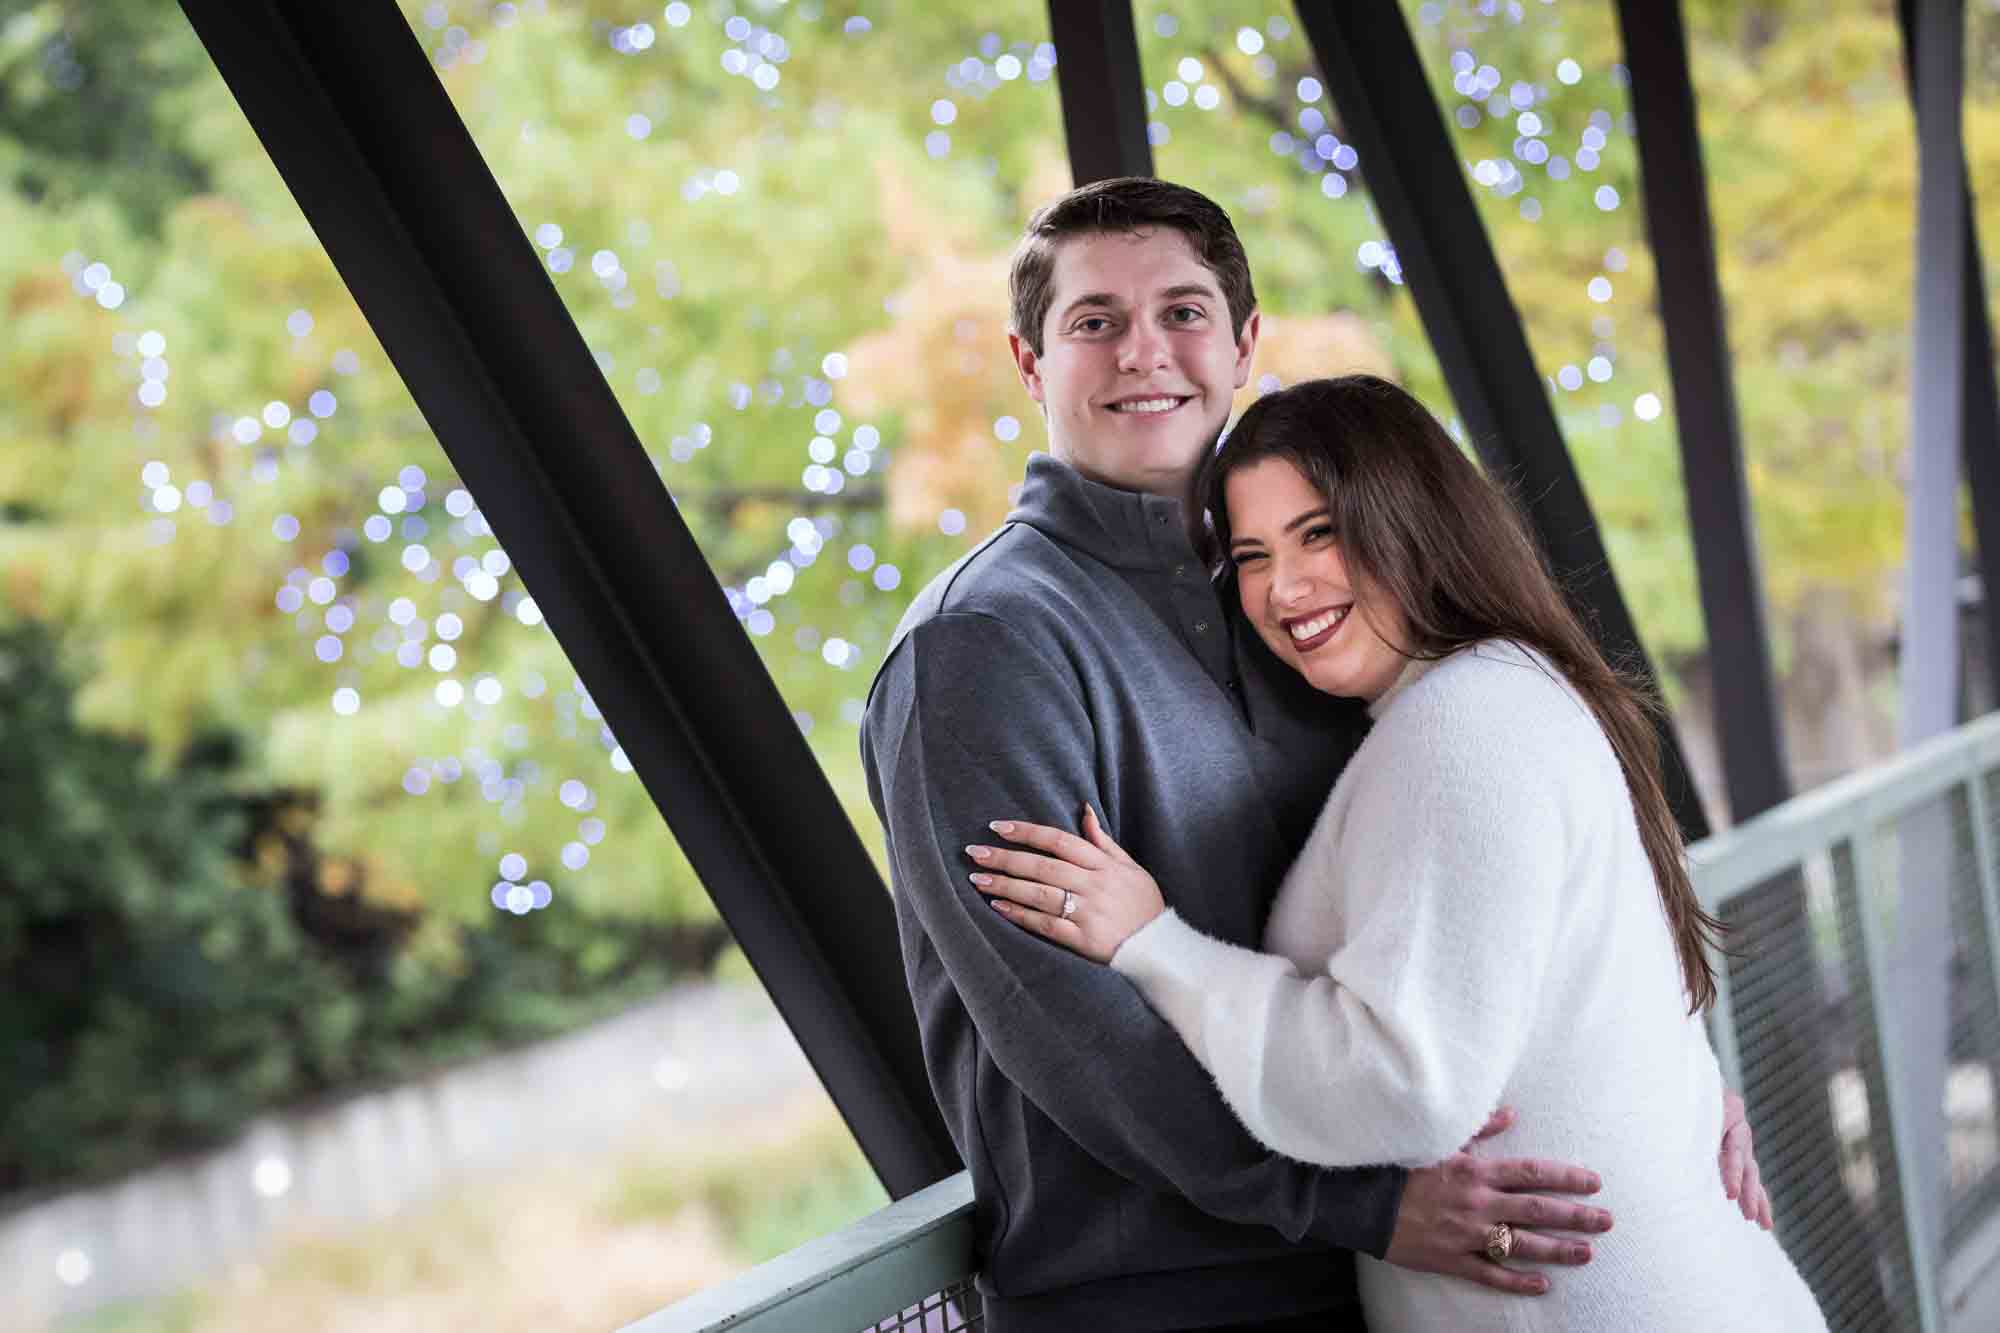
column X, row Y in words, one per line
column 1093, row 324
column 1185, row 314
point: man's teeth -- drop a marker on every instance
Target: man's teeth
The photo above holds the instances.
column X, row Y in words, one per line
column 1147, row 405
column 1306, row 629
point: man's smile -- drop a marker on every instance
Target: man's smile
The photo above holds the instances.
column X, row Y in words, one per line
column 1154, row 405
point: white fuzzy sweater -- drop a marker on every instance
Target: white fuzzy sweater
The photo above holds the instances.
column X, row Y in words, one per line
column 1472, row 923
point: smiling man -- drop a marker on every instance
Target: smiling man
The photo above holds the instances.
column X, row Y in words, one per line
column 1080, row 655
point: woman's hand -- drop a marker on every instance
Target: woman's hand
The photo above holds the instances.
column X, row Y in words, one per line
column 1108, row 895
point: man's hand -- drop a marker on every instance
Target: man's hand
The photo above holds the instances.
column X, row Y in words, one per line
column 1741, row 1180
column 1448, row 1209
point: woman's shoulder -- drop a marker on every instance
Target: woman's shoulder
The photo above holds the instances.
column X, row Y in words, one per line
column 1496, row 697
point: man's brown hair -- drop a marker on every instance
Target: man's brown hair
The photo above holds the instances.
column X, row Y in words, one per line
column 1125, row 204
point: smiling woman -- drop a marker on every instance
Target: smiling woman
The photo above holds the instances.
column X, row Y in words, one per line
column 1491, row 911
column 1300, row 593
column 1443, row 562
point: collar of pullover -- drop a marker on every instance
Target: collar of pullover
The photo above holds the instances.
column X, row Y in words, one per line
column 1124, row 529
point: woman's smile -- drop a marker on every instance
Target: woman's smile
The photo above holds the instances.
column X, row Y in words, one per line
column 1310, row 631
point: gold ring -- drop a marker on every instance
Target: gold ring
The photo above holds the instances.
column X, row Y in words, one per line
column 1069, row 904
column 1499, row 1242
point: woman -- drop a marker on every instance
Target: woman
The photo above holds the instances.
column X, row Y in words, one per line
column 1493, row 907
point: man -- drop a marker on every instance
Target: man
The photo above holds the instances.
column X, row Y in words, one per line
column 1082, row 655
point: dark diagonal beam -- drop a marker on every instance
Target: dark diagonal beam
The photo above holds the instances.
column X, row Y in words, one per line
column 1418, row 187
column 1718, row 497
column 1938, row 379
column 1979, row 423
column 351, row 112
column 1921, row 957
column 1103, row 90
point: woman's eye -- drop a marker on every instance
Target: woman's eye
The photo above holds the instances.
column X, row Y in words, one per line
column 1243, row 558
column 1319, row 533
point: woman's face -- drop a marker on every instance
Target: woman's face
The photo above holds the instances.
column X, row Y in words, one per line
column 1296, row 588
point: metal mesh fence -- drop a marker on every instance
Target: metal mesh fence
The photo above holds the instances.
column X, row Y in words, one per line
column 1827, row 974
column 1799, row 1052
column 954, row 1310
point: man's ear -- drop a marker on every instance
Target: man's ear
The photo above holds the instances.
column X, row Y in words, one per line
column 1027, row 364
column 1246, row 346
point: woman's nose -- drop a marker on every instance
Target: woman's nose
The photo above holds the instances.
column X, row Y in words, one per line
column 1289, row 585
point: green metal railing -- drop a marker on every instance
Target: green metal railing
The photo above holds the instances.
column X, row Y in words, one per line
column 906, row 1268
column 1827, row 898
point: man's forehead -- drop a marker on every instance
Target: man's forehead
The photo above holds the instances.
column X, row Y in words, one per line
column 1151, row 259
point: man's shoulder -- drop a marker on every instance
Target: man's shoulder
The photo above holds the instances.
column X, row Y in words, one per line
column 1019, row 577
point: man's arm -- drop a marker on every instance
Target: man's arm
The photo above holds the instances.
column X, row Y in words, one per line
column 966, row 723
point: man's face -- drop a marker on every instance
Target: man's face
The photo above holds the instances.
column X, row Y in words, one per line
column 1138, row 363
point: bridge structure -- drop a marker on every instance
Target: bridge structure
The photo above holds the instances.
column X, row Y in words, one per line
column 1859, row 1015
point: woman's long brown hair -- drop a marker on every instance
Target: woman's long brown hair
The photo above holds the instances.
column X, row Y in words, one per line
column 1419, row 523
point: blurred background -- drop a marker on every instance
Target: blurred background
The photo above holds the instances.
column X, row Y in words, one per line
column 351, row 979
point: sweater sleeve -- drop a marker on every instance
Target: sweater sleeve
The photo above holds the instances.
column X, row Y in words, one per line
column 969, row 723
column 1451, row 864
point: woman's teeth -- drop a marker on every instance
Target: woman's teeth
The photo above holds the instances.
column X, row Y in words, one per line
column 1319, row 624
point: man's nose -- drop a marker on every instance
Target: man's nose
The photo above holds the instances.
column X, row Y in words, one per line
column 1143, row 348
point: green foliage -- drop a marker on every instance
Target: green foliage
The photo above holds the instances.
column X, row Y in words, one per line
column 89, row 104
column 151, row 998
column 162, row 992
column 724, row 244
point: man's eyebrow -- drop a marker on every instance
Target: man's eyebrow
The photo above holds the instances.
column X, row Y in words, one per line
column 1108, row 301
column 1090, row 301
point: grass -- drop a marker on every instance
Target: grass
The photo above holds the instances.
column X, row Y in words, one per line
column 766, row 1198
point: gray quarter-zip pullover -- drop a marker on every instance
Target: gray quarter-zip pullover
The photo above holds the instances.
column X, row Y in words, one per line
column 1081, row 654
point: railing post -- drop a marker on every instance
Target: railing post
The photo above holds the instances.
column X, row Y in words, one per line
column 1895, row 1089
column 1722, row 1025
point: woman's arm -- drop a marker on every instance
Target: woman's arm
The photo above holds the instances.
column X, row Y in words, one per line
column 1450, row 863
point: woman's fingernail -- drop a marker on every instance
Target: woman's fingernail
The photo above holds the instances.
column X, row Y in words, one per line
column 998, row 906
column 980, row 879
column 979, row 853
column 1002, row 827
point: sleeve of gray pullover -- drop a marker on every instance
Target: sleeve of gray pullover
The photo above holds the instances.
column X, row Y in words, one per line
column 969, row 723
